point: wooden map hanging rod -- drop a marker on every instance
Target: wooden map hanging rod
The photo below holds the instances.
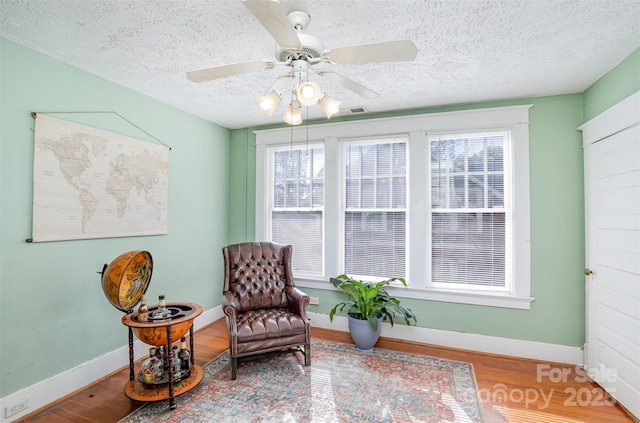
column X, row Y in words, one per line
column 35, row 115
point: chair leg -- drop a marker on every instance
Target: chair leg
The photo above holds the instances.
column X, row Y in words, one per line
column 307, row 354
column 234, row 368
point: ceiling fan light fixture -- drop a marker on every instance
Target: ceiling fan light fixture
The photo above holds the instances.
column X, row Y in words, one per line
column 308, row 93
column 269, row 102
column 293, row 115
column 329, row 105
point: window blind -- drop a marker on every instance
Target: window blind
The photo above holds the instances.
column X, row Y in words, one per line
column 375, row 186
column 470, row 214
column 297, row 205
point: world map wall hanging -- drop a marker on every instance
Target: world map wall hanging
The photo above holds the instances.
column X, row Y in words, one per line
column 90, row 183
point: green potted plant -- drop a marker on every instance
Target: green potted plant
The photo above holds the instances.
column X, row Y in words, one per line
column 368, row 303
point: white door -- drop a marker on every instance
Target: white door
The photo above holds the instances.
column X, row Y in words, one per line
column 612, row 191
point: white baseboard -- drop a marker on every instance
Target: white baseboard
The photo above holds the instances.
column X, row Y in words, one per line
column 62, row 384
column 466, row 341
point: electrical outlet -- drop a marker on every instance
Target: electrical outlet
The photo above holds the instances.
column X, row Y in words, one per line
column 314, row 300
column 16, row 408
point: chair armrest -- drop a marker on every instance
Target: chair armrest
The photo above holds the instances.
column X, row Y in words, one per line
column 230, row 305
column 298, row 301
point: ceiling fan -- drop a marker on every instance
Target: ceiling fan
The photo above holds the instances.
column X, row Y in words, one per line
column 301, row 52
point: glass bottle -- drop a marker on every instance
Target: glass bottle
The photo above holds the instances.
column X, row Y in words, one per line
column 146, row 374
column 161, row 312
column 185, row 358
column 177, row 372
column 158, row 369
column 143, row 310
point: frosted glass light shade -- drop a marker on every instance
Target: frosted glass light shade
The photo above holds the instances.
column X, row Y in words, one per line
column 308, row 93
column 329, row 105
column 269, row 102
column 293, row 115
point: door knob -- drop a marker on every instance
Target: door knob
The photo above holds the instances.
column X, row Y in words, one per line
column 587, row 271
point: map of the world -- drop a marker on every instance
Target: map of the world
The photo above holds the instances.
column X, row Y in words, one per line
column 90, row 183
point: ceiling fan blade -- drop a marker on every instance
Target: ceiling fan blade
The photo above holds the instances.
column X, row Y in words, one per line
column 349, row 84
column 272, row 16
column 224, row 71
column 391, row 51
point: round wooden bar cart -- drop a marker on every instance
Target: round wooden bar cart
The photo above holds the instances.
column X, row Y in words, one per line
column 163, row 333
column 124, row 281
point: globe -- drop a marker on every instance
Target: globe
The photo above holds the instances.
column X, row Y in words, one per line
column 126, row 278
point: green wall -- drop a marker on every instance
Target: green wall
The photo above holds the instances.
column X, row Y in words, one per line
column 616, row 85
column 53, row 314
column 557, row 315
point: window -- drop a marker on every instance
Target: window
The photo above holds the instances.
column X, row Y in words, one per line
column 470, row 213
column 440, row 199
column 375, row 187
column 297, row 200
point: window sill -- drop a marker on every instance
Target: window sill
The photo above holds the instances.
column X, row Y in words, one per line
column 490, row 299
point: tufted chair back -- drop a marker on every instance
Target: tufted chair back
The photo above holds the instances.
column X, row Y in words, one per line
column 256, row 274
column 265, row 312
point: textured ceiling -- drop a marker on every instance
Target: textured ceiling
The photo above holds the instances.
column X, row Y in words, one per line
column 468, row 50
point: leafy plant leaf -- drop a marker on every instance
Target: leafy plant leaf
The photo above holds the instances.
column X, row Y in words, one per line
column 367, row 301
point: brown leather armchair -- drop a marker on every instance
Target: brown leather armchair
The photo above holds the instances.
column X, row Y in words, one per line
column 265, row 311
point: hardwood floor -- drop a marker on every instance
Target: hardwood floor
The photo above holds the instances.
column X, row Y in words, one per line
column 512, row 390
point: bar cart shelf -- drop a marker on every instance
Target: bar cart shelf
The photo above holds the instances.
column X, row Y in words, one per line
column 163, row 333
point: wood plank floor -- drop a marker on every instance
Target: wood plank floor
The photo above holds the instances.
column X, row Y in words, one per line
column 513, row 390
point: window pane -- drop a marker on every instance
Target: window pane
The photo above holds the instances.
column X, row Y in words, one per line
column 278, row 194
column 375, row 244
column 476, row 191
column 468, row 248
column 458, row 192
column 368, row 160
column 399, row 158
column 475, row 147
column 287, row 227
column 438, row 155
column 383, row 193
column 457, row 155
column 292, row 194
column 495, row 154
column 496, row 191
column 292, row 163
column 280, row 164
column 304, row 193
column 353, row 161
column 353, row 193
column 384, row 159
column 318, row 193
column 367, row 197
column 438, row 192
column 399, row 192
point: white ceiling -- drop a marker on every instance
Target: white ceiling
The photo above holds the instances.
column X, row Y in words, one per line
column 468, row 50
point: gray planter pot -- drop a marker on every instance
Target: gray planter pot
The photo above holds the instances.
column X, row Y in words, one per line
column 362, row 334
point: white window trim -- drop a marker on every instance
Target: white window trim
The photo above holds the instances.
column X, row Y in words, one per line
column 512, row 118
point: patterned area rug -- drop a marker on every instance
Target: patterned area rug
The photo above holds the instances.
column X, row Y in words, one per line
column 341, row 385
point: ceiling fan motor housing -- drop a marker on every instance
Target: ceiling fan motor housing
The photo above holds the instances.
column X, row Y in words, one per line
column 312, row 48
